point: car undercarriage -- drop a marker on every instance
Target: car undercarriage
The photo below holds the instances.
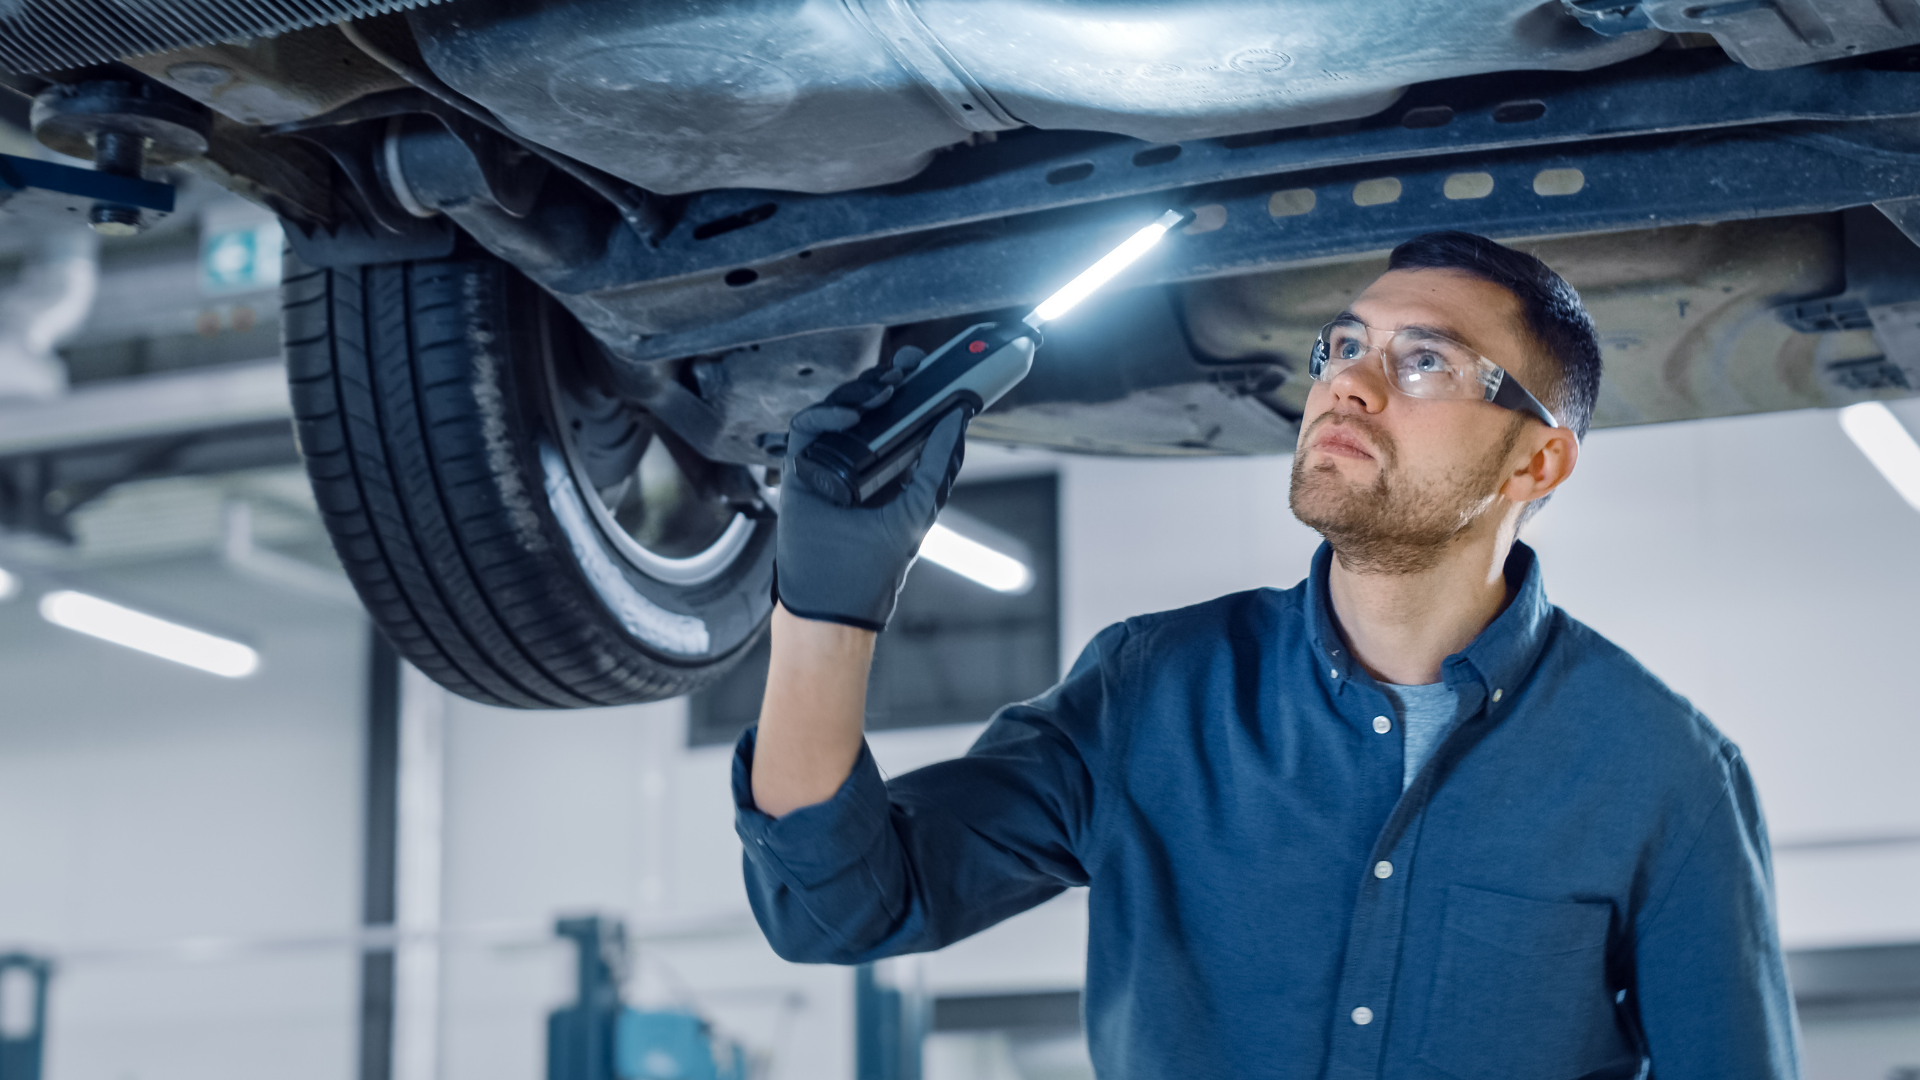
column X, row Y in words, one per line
column 560, row 273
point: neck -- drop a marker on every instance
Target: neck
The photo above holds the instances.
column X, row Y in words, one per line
column 1401, row 626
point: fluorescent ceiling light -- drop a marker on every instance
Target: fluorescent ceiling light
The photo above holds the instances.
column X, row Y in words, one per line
column 1888, row 444
column 8, row 584
column 109, row 621
column 1103, row 271
column 976, row 561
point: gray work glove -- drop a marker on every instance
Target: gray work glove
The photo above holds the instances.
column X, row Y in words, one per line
column 845, row 564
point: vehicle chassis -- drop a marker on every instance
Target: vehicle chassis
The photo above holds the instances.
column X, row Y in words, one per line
column 1675, row 137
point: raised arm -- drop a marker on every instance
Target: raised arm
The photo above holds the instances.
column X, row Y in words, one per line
column 842, row 867
column 839, row 569
column 883, row 868
column 810, row 720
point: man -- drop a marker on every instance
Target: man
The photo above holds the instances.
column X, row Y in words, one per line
column 1406, row 819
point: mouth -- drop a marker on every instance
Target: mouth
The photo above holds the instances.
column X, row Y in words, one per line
column 1338, row 442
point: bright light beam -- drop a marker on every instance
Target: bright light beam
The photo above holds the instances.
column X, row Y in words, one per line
column 109, row 621
column 1888, row 444
column 976, row 561
column 1103, row 271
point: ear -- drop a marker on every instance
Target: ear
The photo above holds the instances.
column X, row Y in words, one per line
column 1551, row 454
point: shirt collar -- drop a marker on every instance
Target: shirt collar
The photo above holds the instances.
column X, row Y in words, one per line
column 1498, row 658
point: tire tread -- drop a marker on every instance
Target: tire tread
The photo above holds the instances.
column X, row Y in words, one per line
column 381, row 363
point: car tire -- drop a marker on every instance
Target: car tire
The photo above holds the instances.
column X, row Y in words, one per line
column 463, row 462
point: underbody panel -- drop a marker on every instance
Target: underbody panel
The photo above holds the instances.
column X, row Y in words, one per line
column 1690, row 318
column 825, row 95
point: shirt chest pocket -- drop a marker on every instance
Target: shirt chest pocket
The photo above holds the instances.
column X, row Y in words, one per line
column 1520, row 991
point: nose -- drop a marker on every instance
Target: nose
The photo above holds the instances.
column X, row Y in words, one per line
column 1361, row 386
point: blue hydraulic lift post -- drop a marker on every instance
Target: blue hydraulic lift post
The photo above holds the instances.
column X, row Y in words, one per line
column 580, row 1037
column 890, row 1028
column 22, row 1053
column 379, row 850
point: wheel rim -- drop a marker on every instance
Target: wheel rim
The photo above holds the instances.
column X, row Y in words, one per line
column 634, row 486
column 704, row 565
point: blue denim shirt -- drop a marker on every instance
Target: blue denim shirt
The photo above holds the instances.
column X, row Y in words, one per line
column 1577, row 880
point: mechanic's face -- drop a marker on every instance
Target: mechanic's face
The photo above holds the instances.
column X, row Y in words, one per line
column 1391, row 480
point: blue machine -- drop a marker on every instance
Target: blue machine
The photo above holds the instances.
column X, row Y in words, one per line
column 23, row 1052
column 673, row 1046
column 599, row 1037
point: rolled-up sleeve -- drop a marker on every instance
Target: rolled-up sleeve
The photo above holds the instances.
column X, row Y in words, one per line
column 884, row 868
column 1711, row 983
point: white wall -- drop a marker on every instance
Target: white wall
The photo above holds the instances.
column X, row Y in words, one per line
column 142, row 803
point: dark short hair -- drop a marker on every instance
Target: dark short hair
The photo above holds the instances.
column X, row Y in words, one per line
column 1554, row 315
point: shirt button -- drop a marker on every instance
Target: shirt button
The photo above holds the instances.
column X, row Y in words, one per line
column 1497, row 692
column 1383, row 869
column 1335, row 672
column 1363, row 1016
column 1382, row 725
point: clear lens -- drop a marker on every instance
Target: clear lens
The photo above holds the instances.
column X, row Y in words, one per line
column 1346, row 342
column 1421, row 364
column 1426, row 366
column 1341, row 343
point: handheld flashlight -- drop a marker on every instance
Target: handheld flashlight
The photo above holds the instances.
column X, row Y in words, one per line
column 970, row 372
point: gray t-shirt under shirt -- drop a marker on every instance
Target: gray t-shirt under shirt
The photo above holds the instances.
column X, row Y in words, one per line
column 1425, row 714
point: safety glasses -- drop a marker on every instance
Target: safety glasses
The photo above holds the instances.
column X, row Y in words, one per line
column 1423, row 364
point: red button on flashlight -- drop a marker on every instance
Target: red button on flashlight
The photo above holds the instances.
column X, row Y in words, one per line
column 976, row 346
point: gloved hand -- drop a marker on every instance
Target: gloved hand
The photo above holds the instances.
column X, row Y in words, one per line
column 846, row 564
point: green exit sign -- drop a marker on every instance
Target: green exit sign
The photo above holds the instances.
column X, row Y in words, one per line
column 240, row 259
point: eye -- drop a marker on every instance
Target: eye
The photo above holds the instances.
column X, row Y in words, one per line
column 1349, row 349
column 1427, row 362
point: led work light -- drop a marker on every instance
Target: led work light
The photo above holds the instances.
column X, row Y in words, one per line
column 970, row 372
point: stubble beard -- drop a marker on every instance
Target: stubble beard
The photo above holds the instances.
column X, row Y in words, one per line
column 1393, row 525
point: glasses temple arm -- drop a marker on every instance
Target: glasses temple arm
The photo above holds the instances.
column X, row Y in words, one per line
column 1511, row 395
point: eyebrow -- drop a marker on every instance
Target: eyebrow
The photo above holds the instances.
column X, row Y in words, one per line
column 1416, row 328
